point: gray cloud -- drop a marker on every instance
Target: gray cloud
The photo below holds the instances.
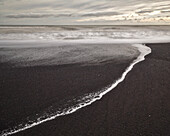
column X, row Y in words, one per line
column 37, row 15
column 45, row 15
column 86, row 11
column 99, row 14
column 144, row 11
column 165, row 11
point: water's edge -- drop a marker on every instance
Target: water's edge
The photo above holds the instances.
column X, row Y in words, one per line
column 87, row 99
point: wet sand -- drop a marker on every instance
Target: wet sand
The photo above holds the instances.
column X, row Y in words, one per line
column 30, row 90
column 138, row 106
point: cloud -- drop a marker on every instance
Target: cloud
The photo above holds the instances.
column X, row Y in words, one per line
column 45, row 15
column 144, row 11
column 86, row 11
column 165, row 11
column 99, row 14
column 36, row 15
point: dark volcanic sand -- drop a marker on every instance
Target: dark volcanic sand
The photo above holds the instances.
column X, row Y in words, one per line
column 27, row 91
column 138, row 106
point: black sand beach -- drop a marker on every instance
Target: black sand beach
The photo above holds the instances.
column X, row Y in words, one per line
column 138, row 106
column 27, row 91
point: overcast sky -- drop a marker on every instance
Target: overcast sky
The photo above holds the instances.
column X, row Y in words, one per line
column 65, row 12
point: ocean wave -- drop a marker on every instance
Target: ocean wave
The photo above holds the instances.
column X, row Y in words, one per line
column 68, row 32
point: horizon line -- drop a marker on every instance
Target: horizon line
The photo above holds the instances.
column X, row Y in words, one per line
column 93, row 25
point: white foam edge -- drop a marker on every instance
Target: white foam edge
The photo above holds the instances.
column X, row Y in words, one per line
column 144, row 50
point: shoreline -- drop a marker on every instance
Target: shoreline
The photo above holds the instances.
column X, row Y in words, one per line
column 93, row 96
column 138, row 106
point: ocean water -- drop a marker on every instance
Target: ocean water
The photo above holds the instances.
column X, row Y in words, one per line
column 83, row 32
column 41, row 46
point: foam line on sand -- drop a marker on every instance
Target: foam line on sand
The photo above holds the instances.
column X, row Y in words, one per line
column 86, row 100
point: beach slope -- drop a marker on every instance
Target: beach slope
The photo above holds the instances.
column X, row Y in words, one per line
column 138, row 106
